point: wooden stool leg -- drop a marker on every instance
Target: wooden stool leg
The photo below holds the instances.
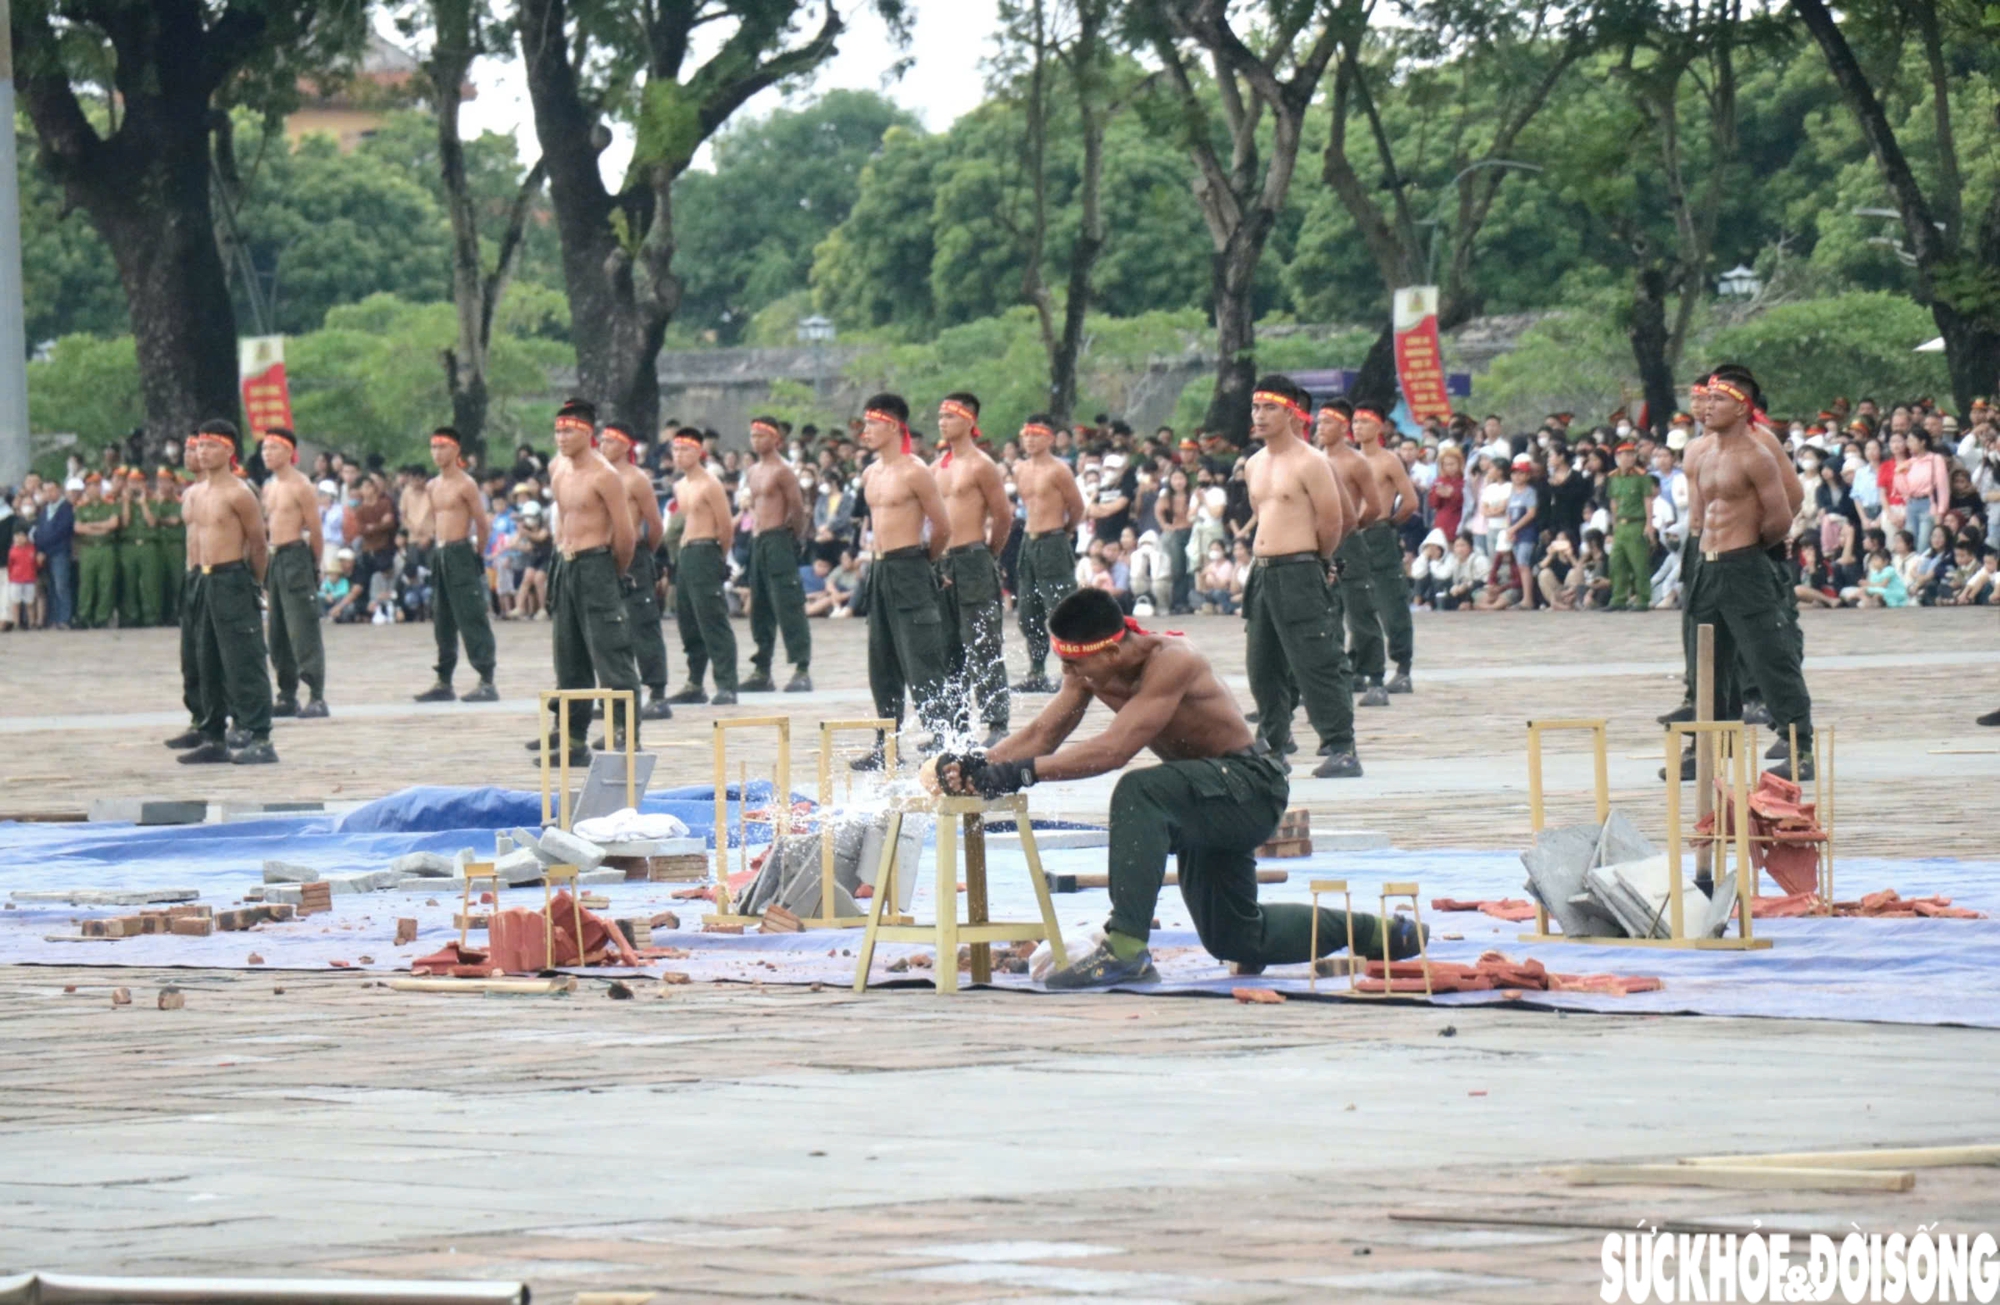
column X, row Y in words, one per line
column 975, row 893
column 945, row 968
column 1052, row 930
column 883, row 872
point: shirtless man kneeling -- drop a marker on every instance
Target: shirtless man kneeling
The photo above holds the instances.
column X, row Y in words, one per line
column 1217, row 794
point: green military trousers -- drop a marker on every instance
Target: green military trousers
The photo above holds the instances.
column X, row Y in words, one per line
column 1044, row 575
column 1631, row 570
column 96, row 585
column 137, row 604
column 778, row 601
column 701, row 610
column 973, row 634
column 1738, row 593
column 1211, row 815
column 593, row 633
column 906, row 651
column 229, row 652
column 1357, row 590
column 1293, row 650
column 458, row 609
column 297, row 652
column 1389, row 586
column 642, row 606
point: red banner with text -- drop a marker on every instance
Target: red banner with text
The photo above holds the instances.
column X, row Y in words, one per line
column 1419, row 365
column 267, row 398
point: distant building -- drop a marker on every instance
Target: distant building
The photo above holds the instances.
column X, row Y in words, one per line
column 351, row 108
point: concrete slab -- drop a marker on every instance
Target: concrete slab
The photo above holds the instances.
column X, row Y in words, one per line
column 423, row 865
column 103, row 896
column 148, row 810
column 284, row 872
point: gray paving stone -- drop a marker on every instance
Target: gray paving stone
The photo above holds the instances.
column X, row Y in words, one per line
column 285, row 872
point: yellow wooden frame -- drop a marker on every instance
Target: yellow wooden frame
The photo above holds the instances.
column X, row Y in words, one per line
column 485, row 870
column 561, row 699
column 946, row 932
column 781, row 817
column 1537, row 815
column 826, row 919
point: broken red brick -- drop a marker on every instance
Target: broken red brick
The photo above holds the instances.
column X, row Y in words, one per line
column 1258, row 996
column 777, row 919
column 194, row 926
column 340, row 965
column 665, row 920
column 406, row 931
column 255, row 959
column 172, row 999
column 674, row 978
column 721, row 928
column 121, row 996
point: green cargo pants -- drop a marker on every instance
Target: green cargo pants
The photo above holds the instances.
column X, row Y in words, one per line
column 297, row 652
column 906, row 638
column 190, row 646
column 593, row 633
column 778, row 601
column 173, row 574
column 235, row 681
column 975, row 651
column 1389, row 586
column 701, row 610
column 458, row 607
column 1212, row 815
column 642, row 606
column 1364, row 630
column 1631, row 572
column 1737, row 593
column 132, row 591
column 1044, row 575
column 152, row 584
column 96, row 585
column 1293, row 650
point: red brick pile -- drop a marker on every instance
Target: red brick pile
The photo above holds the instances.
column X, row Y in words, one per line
column 519, row 942
column 1885, row 905
column 1775, row 813
column 1512, row 909
column 1496, row 971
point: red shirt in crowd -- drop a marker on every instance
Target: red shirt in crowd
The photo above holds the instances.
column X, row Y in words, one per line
column 1447, row 499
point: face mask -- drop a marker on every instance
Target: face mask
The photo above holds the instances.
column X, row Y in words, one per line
column 1624, row 429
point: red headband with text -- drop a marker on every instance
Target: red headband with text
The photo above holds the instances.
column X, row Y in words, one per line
column 1283, row 401
column 876, row 414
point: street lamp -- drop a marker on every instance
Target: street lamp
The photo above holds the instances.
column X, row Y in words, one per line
column 818, row 332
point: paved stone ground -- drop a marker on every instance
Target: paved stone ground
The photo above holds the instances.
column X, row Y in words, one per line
column 732, row 1143
column 83, row 714
column 728, row 1144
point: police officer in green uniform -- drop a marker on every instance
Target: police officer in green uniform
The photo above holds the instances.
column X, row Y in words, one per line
column 169, row 544
column 1217, row 794
column 138, row 581
column 1631, row 492
column 97, row 530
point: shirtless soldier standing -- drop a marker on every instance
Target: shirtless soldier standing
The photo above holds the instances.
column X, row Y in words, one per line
column 777, row 594
column 905, row 628
column 1291, row 617
column 1736, row 493
column 226, row 531
column 1217, row 794
column 459, row 524
column 1045, row 572
column 1389, row 611
column 291, row 585
column 981, row 521
column 594, row 541
column 642, row 590
column 701, row 608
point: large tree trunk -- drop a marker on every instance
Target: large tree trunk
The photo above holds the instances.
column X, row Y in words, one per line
column 1651, row 344
column 1377, row 378
column 1232, row 274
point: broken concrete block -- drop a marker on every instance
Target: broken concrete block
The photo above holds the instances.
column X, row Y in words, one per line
column 291, row 894
column 1637, row 893
column 342, row 884
column 148, row 811
column 429, row 885
column 520, row 866
column 568, row 849
column 423, row 865
column 1622, row 841
column 284, row 872
column 104, row 896
column 1556, row 865
column 601, row 877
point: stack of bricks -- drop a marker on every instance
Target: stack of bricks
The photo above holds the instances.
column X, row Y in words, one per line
column 678, row 868
column 314, row 898
column 187, row 921
column 1293, row 837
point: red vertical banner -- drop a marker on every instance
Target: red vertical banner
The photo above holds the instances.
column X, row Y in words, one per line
column 1419, row 365
column 267, row 398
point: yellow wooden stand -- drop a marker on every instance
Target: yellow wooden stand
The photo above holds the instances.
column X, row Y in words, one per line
column 551, row 874
column 477, row 870
column 1404, row 889
column 1537, row 816
column 781, row 802
column 826, row 919
column 556, row 702
column 947, row 931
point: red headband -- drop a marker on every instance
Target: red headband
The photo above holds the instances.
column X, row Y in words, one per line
column 1269, row 396
column 1729, row 391
column 692, row 441
column 1036, row 428
column 767, row 426
column 286, row 440
column 631, row 445
column 1371, row 410
column 876, row 414
column 1065, row 649
column 440, row 437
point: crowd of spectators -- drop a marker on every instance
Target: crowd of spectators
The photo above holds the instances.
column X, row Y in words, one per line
column 1902, row 508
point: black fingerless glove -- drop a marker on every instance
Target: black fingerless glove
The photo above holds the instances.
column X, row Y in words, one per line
column 994, row 778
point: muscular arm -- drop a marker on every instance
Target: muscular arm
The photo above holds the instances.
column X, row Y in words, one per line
column 1161, row 686
column 1697, row 507
column 1323, row 489
column 1045, row 733
column 796, row 516
column 649, row 516
column 1405, row 492
column 1349, row 523
column 256, row 548
column 309, row 517
column 475, row 506
column 924, row 485
column 1072, row 496
column 999, row 512
column 610, row 491
column 1794, row 489
column 1776, row 508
